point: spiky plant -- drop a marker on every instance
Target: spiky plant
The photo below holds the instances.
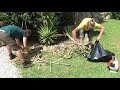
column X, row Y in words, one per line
column 47, row 34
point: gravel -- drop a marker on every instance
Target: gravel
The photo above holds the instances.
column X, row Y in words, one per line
column 7, row 68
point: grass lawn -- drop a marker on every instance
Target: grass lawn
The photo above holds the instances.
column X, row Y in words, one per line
column 79, row 66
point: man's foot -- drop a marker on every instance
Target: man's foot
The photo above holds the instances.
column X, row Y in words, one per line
column 11, row 56
column 27, row 64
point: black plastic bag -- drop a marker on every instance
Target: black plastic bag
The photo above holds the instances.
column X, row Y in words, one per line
column 99, row 54
column 106, row 58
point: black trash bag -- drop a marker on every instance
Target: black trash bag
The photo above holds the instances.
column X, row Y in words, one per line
column 106, row 58
column 98, row 54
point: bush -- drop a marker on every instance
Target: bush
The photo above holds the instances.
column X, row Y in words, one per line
column 47, row 34
column 33, row 20
column 115, row 15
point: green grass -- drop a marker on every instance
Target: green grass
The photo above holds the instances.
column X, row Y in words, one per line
column 80, row 67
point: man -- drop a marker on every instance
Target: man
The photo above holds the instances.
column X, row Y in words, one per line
column 11, row 35
column 87, row 26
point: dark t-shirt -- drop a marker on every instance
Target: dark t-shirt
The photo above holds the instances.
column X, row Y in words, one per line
column 14, row 31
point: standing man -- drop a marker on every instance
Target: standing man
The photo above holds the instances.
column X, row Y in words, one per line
column 87, row 26
column 11, row 35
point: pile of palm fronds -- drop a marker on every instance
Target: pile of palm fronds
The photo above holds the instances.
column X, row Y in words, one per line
column 83, row 49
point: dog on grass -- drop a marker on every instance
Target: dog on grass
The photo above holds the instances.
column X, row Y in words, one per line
column 113, row 64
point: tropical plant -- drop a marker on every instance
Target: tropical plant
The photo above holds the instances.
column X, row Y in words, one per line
column 47, row 34
column 34, row 20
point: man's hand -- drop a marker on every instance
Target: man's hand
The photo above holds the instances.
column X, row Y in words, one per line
column 26, row 49
column 21, row 48
column 97, row 39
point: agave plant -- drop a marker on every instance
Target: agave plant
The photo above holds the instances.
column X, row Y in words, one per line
column 47, row 34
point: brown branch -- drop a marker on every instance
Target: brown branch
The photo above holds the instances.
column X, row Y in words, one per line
column 59, row 35
column 73, row 39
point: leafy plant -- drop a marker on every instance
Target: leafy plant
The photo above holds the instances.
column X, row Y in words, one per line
column 115, row 15
column 69, row 30
column 47, row 34
column 34, row 20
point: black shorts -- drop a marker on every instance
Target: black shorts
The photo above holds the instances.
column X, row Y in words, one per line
column 8, row 41
column 90, row 33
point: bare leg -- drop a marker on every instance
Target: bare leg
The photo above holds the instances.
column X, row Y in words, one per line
column 22, row 59
column 20, row 56
column 9, row 49
column 90, row 43
column 90, row 36
column 81, row 41
column 11, row 55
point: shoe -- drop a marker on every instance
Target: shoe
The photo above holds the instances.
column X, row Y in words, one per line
column 11, row 56
column 27, row 64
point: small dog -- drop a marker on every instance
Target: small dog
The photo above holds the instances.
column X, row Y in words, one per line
column 113, row 64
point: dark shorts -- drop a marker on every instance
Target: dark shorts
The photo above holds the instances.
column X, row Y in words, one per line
column 90, row 33
column 8, row 41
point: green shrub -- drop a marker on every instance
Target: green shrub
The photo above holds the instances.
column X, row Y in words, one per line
column 115, row 15
column 34, row 20
column 47, row 34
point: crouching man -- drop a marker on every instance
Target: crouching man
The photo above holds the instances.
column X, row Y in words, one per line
column 87, row 26
column 11, row 35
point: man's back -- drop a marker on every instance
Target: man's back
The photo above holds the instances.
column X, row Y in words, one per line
column 83, row 24
column 14, row 31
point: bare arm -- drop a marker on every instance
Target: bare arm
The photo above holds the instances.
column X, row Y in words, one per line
column 74, row 36
column 101, row 32
column 25, row 46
